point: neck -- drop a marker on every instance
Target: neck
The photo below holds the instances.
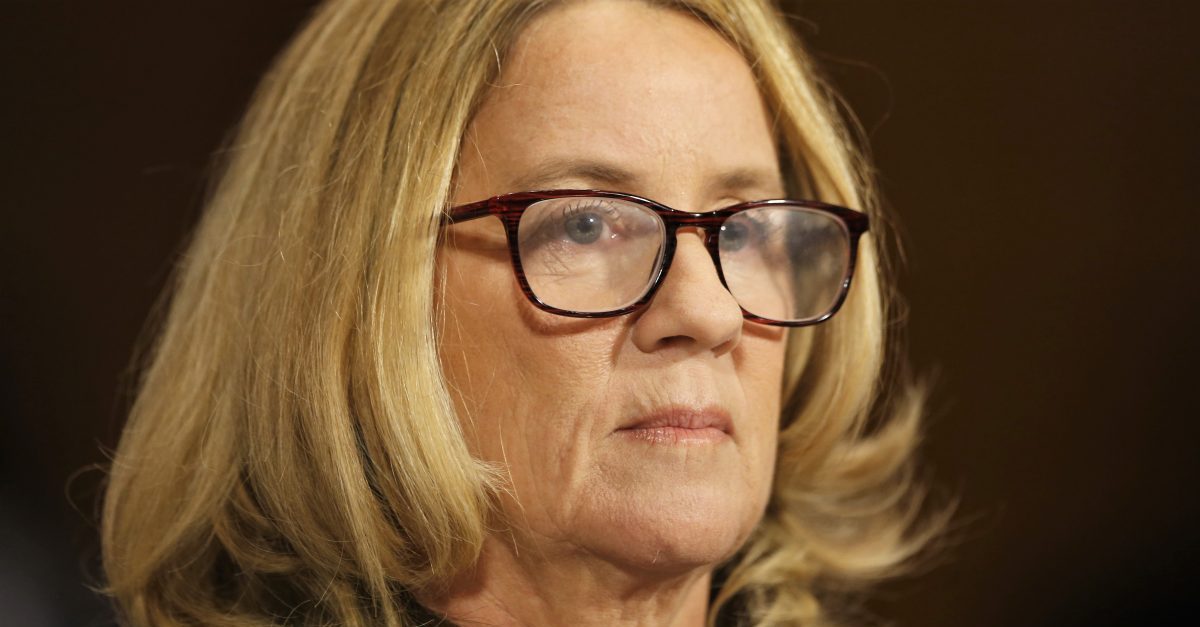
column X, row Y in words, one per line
column 511, row 588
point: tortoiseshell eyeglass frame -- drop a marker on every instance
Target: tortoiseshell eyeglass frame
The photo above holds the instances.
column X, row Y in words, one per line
column 510, row 207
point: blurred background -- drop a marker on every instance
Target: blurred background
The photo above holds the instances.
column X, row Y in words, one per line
column 1041, row 159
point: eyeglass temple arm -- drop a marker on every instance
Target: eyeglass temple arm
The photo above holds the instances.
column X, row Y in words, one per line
column 471, row 211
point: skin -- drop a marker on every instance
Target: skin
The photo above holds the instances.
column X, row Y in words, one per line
column 599, row 527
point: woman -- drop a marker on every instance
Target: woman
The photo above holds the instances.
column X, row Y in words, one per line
column 374, row 403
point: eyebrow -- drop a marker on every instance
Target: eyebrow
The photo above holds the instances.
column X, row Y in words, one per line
column 554, row 172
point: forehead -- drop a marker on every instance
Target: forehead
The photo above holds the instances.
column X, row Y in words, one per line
column 653, row 92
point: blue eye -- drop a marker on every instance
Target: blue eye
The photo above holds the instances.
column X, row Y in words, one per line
column 584, row 227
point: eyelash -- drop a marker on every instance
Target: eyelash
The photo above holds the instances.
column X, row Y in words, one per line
column 548, row 228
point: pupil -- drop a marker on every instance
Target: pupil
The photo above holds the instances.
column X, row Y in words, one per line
column 584, row 228
column 733, row 236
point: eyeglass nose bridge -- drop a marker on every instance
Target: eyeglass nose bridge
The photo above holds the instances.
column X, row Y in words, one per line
column 710, row 224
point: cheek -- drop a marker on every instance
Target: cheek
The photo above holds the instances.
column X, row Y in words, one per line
column 759, row 362
column 522, row 380
column 536, row 420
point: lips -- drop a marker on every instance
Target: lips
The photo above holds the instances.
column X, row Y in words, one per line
column 678, row 424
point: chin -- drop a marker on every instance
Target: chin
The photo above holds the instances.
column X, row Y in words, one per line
column 676, row 530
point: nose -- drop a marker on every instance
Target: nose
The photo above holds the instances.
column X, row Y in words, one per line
column 691, row 310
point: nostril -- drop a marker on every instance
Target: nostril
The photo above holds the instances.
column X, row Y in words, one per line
column 674, row 341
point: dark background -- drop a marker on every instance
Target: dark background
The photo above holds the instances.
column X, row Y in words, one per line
column 1041, row 158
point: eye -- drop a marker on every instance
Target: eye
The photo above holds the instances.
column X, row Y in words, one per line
column 584, row 227
column 734, row 236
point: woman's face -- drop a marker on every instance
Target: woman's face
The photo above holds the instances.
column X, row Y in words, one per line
column 646, row 440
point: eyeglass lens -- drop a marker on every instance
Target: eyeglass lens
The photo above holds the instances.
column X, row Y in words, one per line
column 593, row 255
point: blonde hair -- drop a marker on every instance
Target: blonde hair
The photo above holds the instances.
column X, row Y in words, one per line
column 293, row 455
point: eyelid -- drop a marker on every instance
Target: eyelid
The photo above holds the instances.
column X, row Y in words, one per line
column 546, row 227
column 580, row 204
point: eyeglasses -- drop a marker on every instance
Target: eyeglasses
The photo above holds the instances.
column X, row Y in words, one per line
column 596, row 254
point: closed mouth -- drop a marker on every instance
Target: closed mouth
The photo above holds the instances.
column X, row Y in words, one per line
column 680, row 424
